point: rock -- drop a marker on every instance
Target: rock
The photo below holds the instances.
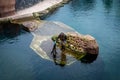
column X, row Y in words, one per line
column 92, row 47
column 85, row 44
column 30, row 25
column 65, row 1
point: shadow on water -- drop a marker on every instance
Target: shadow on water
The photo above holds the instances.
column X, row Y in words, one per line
column 108, row 4
column 84, row 5
column 62, row 61
column 10, row 30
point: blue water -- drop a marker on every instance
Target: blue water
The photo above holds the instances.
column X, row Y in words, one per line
column 99, row 18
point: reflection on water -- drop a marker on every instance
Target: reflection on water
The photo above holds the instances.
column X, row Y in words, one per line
column 84, row 5
column 9, row 29
column 108, row 5
column 89, row 58
column 9, row 32
column 62, row 61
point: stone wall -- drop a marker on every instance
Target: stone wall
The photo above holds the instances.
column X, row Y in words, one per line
column 7, row 8
column 21, row 4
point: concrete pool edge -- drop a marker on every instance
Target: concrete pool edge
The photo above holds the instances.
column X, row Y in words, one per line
column 33, row 15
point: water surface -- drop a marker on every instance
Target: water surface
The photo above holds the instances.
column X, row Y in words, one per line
column 99, row 18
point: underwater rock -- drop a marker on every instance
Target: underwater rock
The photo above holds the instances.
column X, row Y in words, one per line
column 78, row 43
column 30, row 25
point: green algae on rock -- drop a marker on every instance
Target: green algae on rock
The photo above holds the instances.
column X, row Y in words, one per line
column 80, row 44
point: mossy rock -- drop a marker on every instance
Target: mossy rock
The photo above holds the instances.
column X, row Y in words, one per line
column 70, row 47
column 71, row 44
column 78, row 43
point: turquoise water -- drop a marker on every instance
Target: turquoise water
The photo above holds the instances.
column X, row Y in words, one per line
column 99, row 18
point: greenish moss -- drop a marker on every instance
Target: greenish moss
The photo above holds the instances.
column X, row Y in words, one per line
column 5, row 20
column 70, row 47
column 54, row 38
column 36, row 15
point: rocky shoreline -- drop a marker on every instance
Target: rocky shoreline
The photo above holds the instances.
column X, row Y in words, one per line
column 35, row 15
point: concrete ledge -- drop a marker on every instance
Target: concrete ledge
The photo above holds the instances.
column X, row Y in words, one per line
column 35, row 15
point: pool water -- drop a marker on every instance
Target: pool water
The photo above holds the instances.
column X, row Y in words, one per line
column 99, row 18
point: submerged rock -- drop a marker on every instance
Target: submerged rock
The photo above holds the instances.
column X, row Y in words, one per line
column 30, row 25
